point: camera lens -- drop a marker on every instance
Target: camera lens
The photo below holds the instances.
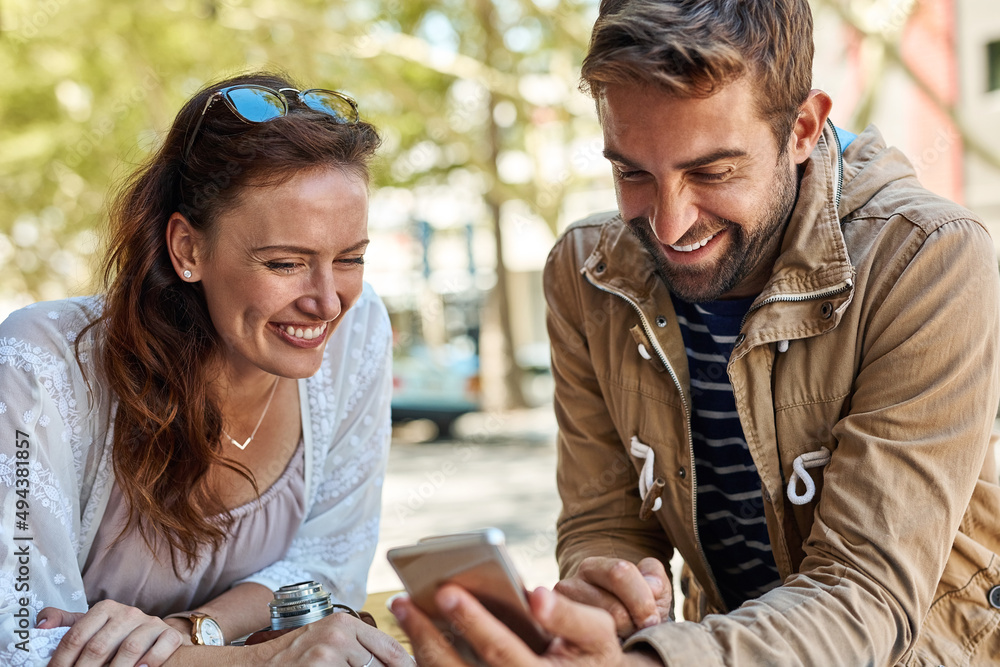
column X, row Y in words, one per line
column 299, row 604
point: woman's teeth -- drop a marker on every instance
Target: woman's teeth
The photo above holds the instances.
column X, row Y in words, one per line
column 694, row 246
column 306, row 334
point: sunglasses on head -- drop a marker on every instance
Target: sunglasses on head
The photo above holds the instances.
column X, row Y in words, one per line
column 258, row 104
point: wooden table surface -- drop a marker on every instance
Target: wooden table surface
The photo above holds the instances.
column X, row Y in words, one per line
column 375, row 605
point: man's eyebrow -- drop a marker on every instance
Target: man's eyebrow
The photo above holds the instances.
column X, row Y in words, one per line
column 614, row 156
column 299, row 250
column 704, row 160
column 700, row 161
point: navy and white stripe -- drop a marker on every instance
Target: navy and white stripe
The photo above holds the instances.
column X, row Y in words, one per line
column 731, row 519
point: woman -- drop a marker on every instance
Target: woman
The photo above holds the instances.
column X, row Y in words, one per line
column 216, row 425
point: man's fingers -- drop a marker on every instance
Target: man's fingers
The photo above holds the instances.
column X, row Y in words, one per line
column 430, row 648
column 492, row 641
column 578, row 590
column 656, row 575
column 623, row 580
column 584, row 626
column 659, row 581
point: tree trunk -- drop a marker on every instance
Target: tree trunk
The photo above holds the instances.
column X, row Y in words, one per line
column 512, row 372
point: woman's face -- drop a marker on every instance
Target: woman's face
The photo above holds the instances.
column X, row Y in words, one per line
column 282, row 269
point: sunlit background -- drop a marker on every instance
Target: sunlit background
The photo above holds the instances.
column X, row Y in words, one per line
column 490, row 150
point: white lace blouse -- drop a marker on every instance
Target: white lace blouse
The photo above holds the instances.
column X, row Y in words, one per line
column 56, row 475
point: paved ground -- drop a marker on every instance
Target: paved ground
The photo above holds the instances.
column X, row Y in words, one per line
column 500, row 473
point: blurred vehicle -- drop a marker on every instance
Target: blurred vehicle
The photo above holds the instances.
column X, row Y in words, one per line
column 439, row 384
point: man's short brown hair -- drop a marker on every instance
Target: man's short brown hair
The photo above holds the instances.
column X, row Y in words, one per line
column 692, row 48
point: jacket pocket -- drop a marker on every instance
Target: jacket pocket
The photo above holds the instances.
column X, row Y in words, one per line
column 962, row 628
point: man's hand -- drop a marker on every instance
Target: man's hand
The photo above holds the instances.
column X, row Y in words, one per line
column 636, row 596
column 584, row 636
column 110, row 633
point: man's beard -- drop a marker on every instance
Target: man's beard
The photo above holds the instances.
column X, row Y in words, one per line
column 747, row 248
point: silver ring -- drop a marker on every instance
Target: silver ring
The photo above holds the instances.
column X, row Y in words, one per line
column 370, row 661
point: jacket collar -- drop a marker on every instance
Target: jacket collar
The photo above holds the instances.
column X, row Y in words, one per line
column 813, row 266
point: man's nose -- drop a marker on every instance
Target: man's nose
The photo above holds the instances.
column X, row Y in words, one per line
column 674, row 214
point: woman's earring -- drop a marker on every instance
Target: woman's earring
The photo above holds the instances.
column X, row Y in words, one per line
column 187, row 274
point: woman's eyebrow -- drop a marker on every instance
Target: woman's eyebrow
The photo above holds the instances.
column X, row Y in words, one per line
column 299, row 250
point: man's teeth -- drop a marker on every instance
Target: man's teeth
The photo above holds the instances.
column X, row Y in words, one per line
column 306, row 334
column 694, row 246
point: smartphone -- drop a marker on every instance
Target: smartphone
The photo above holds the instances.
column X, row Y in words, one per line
column 478, row 562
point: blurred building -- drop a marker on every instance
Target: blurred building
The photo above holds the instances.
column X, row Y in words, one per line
column 927, row 73
column 978, row 54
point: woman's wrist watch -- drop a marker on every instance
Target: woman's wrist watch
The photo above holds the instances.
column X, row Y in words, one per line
column 205, row 630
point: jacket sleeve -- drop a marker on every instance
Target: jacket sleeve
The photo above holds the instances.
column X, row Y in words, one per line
column 907, row 458
column 42, row 400
column 597, row 481
column 349, row 406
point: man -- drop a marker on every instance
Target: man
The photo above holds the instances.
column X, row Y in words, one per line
column 780, row 359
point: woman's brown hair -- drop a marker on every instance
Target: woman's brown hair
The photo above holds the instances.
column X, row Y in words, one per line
column 156, row 339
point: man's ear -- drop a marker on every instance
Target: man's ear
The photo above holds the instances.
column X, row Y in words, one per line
column 809, row 125
column 186, row 247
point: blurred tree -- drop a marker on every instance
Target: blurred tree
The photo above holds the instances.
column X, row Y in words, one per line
column 474, row 89
column 881, row 25
column 470, row 94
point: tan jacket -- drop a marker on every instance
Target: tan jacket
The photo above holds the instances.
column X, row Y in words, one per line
column 889, row 306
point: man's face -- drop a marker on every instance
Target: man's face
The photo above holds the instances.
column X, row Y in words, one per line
column 702, row 184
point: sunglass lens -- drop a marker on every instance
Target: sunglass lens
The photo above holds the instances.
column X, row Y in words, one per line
column 330, row 103
column 257, row 104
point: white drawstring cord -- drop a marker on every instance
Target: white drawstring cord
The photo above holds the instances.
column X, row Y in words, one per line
column 815, row 459
column 782, row 346
column 642, row 451
column 644, row 353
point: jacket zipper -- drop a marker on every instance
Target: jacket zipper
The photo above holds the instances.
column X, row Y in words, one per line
column 687, row 416
column 839, row 179
column 839, row 288
column 836, row 289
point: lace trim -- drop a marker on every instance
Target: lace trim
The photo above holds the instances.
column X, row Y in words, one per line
column 281, row 573
column 52, row 373
column 44, row 488
column 343, row 479
column 40, row 643
column 373, row 360
column 335, row 549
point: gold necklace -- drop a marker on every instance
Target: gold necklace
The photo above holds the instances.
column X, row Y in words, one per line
column 259, row 421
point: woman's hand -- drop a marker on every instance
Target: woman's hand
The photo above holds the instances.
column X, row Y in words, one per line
column 112, row 634
column 339, row 640
column 584, row 636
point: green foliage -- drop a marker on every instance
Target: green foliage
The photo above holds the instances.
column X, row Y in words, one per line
column 89, row 88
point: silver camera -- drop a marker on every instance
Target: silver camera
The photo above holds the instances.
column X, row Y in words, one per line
column 299, row 604
column 294, row 606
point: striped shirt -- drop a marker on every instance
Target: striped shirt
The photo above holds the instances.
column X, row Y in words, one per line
column 731, row 519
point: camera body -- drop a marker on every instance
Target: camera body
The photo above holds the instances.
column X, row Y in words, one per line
column 299, row 604
column 296, row 605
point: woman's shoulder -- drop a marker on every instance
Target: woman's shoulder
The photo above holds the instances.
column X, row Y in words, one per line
column 51, row 325
column 363, row 336
column 367, row 319
column 369, row 308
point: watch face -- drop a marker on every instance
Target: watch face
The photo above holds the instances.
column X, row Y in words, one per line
column 211, row 633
